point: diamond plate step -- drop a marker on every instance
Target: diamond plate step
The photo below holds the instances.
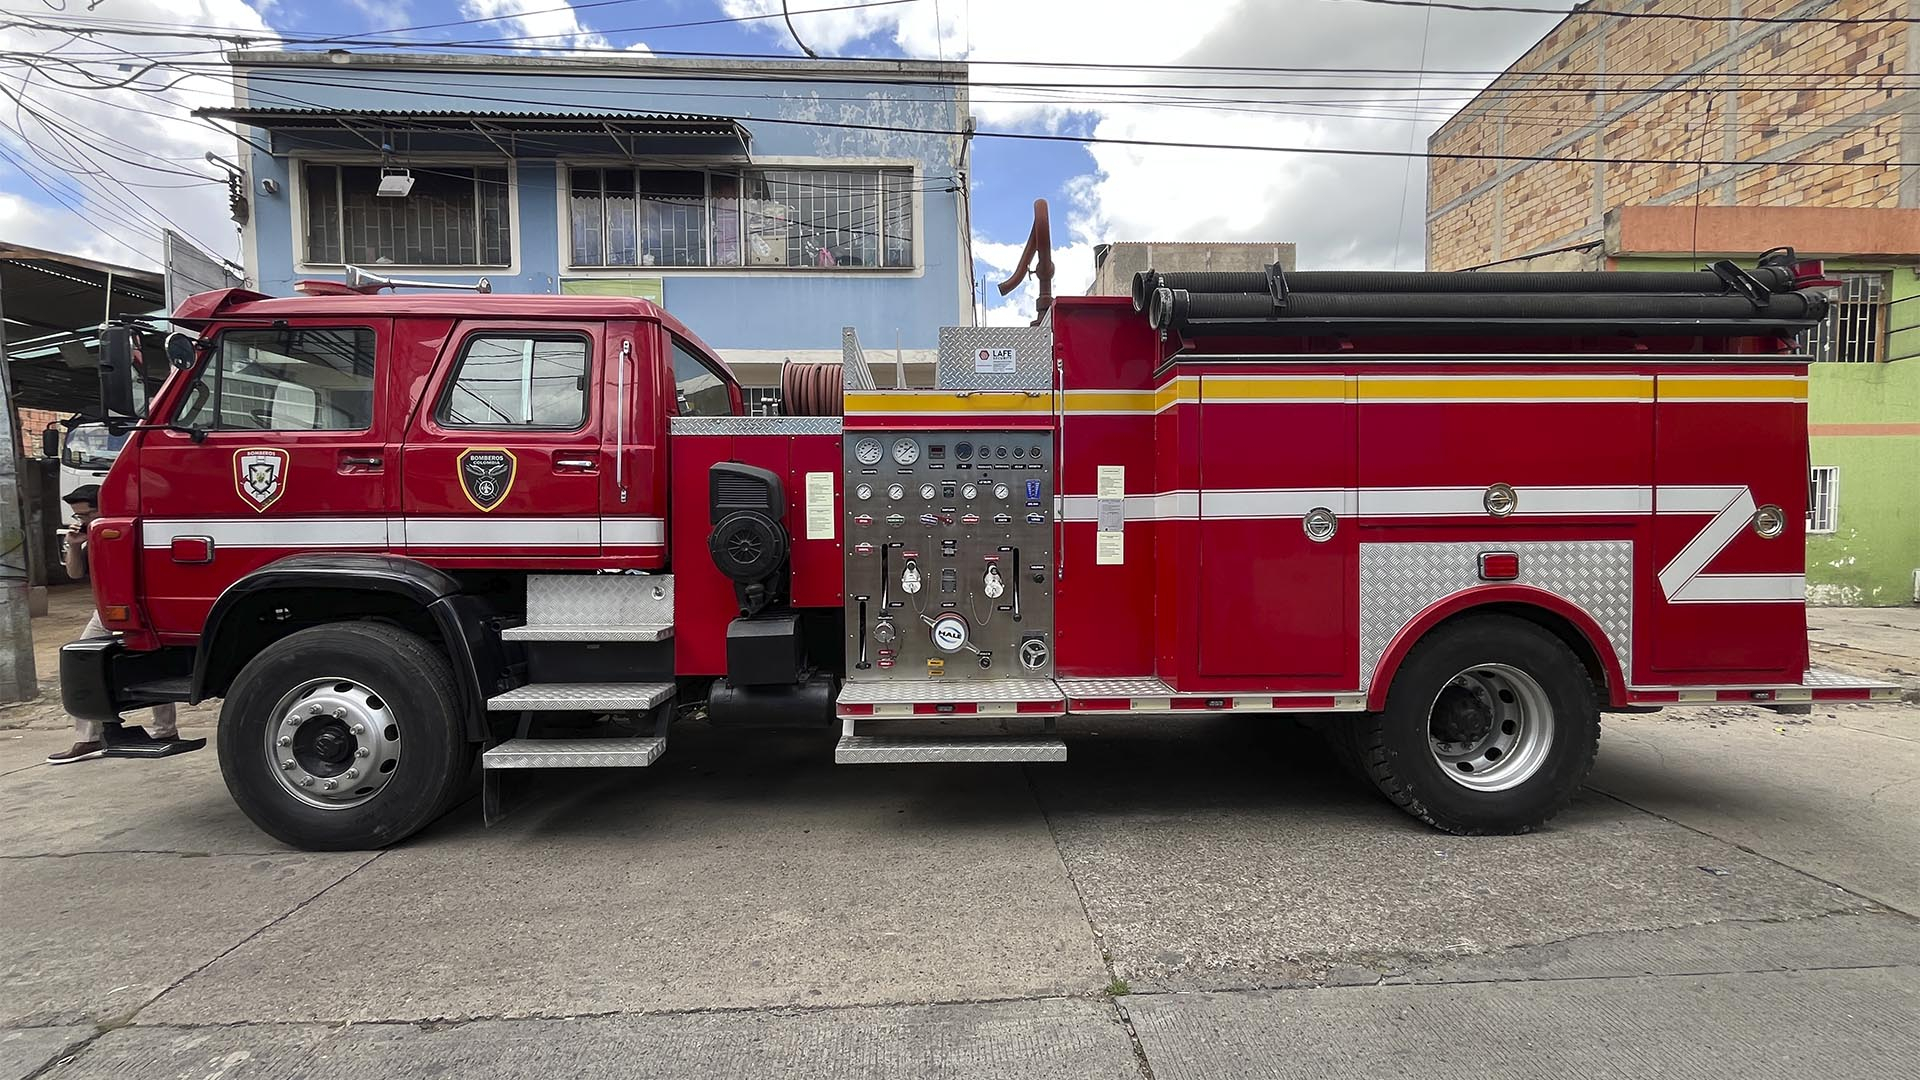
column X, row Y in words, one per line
column 586, row 697
column 574, row 753
column 879, row 750
column 649, row 632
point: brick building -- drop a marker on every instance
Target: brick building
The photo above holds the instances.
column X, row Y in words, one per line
column 1722, row 139
column 1115, row 264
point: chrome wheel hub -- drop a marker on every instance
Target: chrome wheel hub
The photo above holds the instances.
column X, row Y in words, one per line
column 1490, row 727
column 332, row 743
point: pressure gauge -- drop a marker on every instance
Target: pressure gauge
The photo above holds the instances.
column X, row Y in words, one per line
column 867, row 451
column 926, row 491
column 1000, row 491
column 905, row 451
column 864, row 491
column 896, row 492
column 969, row 492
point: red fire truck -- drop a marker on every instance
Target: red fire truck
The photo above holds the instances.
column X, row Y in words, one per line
column 1452, row 517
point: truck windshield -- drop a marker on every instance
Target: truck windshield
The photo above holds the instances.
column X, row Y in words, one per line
column 90, row 446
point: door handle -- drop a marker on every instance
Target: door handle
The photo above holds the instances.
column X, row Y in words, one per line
column 576, row 461
column 351, row 462
column 573, row 463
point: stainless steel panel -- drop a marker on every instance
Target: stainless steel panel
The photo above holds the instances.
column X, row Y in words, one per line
column 878, row 750
column 855, row 374
column 656, row 632
column 942, row 691
column 959, row 365
column 755, row 425
column 564, row 600
column 603, row 697
column 1824, row 679
column 1398, row 581
column 574, row 753
column 928, row 526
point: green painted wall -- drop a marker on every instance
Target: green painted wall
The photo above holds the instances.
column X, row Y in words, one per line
column 1870, row 557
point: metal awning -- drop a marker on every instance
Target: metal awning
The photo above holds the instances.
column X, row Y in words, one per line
column 513, row 134
column 54, row 305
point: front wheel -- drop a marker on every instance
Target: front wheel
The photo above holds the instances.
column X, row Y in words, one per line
column 344, row 737
column 1491, row 726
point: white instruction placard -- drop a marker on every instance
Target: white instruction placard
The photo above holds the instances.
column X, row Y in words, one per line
column 1110, row 515
column 995, row 361
column 820, row 513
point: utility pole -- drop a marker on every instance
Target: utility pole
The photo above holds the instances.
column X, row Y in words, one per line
column 17, row 682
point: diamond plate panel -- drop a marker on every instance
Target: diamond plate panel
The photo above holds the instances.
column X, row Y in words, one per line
column 574, row 753
column 1398, row 581
column 876, row 750
column 959, row 345
column 755, row 425
column 553, row 697
column 576, row 600
column 654, row 632
column 1825, row 679
column 1114, row 688
column 855, row 374
column 937, row 691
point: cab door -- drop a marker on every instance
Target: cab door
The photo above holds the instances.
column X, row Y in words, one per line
column 504, row 458
column 282, row 452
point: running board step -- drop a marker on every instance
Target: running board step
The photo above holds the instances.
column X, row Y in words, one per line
column 581, row 697
column 628, row 753
column 638, row 632
column 881, row 750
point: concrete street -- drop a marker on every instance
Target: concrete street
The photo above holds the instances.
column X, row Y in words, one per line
column 1737, row 895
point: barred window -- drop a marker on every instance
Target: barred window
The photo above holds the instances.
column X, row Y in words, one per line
column 820, row 219
column 1823, row 498
column 1854, row 323
column 454, row 216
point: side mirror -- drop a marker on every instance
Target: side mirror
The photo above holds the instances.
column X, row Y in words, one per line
column 50, row 441
column 119, row 366
column 181, row 350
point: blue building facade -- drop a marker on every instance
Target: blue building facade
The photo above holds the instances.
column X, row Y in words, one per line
column 766, row 204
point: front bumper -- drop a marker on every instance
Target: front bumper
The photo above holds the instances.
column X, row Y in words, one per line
column 100, row 678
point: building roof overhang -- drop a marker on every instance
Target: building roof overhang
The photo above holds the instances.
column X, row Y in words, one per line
column 511, row 134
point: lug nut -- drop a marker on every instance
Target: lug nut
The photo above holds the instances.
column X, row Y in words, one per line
column 285, row 740
column 286, row 764
column 353, row 774
column 339, row 714
column 306, row 781
column 331, row 784
column 359, row 729
column 313, row 710
column 363, row 752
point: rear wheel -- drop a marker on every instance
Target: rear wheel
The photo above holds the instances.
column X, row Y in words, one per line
column 344, row 736
column 1491, row 726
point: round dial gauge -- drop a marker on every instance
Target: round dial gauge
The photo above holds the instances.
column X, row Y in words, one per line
column 969, row 492
column 864, row 491
column 867, row 451
column 1000, row 491
column 896, row 492
column 926, row 491
column 906, row 451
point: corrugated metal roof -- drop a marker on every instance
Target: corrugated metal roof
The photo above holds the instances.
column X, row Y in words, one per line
column 238, row 113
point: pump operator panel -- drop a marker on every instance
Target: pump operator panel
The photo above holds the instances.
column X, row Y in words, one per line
column 949, row 542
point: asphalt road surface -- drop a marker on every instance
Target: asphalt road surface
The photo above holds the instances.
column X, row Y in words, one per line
column 1736, row 895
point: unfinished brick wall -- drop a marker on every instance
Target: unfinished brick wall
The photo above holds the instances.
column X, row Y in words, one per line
column 1679, row 93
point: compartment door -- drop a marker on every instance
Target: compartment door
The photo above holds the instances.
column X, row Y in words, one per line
column 1277, row 606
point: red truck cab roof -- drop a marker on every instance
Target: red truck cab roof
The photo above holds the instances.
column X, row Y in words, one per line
column 244, row 304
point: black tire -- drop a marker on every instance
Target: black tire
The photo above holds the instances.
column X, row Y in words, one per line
column 415, row 682
column 1396, row 754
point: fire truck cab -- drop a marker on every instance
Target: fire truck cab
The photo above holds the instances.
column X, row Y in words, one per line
column 1451, row 517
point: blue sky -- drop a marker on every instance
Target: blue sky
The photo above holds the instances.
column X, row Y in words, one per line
column 1340, row 211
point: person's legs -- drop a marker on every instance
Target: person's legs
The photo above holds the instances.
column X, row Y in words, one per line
column 164, row 725
column 88, row 735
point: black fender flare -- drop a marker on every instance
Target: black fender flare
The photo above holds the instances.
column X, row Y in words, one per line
column 464, row 622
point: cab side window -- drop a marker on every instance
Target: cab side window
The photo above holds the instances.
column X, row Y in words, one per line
column 700, row 390
column 285, row 380
column 523, row 381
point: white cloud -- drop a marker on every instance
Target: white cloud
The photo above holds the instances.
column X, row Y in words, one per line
column 547, row 26
column 1341, row 211
column 100, row 170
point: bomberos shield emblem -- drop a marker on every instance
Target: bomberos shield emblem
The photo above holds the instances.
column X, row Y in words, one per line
column 486, row 475
column 260, row 475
